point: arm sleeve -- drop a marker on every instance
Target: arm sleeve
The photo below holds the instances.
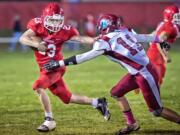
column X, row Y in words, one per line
column 88, row 56
column 33, row 24
column 77, row 59
column 101, row 45
column 95, row 52
column 144, row 38
column 73, row 32
column 99, row 48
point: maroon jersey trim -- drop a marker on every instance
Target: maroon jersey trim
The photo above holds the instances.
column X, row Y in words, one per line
column 124, row 59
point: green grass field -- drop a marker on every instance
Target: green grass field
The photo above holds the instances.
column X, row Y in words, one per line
column 21, row 113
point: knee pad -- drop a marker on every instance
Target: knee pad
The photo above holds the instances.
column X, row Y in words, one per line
column 114, row 94
column 117, row 92
column 157, row 112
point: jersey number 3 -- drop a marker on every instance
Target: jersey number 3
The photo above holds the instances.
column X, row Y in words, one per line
column 51, row 50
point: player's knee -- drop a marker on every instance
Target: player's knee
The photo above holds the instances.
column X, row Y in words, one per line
column 38, row 85
column 35, row 86
column 115, row 93
column 66, row 100
column 39, row 91
column 65, row 97
column 157, row 113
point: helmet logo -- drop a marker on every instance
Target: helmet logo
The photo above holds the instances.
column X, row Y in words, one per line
column 104, row 24
column 107, row 23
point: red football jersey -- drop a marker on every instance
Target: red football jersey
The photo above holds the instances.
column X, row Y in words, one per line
column 54, row 40
column 172, row 30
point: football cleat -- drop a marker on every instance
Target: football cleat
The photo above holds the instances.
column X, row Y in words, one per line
column 102, row 107
column 128, row 129
column 48, row 125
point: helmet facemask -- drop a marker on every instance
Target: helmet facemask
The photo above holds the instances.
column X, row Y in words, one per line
column 104, row 26
column 176, row 18
column 54, row 23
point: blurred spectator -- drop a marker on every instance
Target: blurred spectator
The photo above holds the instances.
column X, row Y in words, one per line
column 73, row 22
column 17, row 31
column 90, row 25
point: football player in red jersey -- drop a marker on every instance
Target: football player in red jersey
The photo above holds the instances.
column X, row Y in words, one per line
column 53, row 32
column 168, row 31
column 122, row 47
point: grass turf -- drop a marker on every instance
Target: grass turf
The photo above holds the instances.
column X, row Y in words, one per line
column 21, row 113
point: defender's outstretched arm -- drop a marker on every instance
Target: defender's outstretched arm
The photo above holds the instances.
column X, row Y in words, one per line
column 77, row 59
column 146, row 38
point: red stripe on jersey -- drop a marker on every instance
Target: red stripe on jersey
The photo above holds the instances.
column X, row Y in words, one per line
column 105, row 38
column 124, row 59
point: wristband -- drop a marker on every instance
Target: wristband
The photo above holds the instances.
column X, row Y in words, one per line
column 61, row 63
column 70, row 61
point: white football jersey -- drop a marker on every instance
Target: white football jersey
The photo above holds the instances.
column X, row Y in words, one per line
column 122, row 47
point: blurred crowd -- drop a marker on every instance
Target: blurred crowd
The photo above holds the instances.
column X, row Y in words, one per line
column 86, row 27
column 84, row 21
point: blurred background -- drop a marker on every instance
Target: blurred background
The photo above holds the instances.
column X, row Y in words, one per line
column 141, row 15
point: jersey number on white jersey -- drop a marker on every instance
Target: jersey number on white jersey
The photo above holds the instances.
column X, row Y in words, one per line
column 132, row 50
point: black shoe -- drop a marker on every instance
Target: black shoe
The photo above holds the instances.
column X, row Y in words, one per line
column 102, row 107
column 48, row 125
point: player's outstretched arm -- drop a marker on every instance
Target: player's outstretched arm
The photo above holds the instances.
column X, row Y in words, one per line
column 83, row 39
column 77, row 59
column 28, row 38
column 147, row 38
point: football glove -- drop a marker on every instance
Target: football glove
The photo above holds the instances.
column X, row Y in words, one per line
column 165, row 45
column 51, row 65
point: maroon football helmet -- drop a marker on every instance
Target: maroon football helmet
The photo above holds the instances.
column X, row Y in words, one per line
column 107, row 23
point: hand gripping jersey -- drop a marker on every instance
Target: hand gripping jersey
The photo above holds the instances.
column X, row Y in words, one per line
column 122, row 47
column 54, row 40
